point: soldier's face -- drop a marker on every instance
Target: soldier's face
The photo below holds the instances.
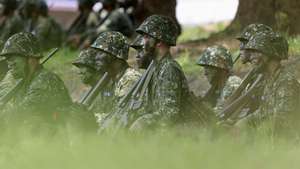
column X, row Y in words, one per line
column 256, row 57
column 146, row 53
column 244, row 56
column 17, row 65
column 210, row 73
column 87, row 75
column 103, row 61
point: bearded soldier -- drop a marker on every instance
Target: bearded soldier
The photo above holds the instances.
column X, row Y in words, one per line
column 109, row 53
column 168, row 87
column 280, row 90
column 29, row 91
column 217, row 62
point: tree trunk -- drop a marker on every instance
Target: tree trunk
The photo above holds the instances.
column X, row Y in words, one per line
column 282, row 15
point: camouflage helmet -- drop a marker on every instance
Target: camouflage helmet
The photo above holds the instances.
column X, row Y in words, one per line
column 251, row 30
column 137, row 42
column 86, row 58
column 23, row 44
column 271, row 44
column 161, row 28
column 113, row 43
column 216, row 56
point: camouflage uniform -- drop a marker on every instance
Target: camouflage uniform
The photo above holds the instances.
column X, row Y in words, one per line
column 168, row 87
column 116, row 45
column 280, row 95
column 40, row 98
column 12, row 23
column 220, row 58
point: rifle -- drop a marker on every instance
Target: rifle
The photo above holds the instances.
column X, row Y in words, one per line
column 240, row 102
column 132, row 100
column 90, row 96
column 81, row 19
column 6, row 98
column 249, row 78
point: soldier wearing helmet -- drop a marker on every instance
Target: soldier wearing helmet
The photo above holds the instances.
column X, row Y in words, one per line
column 44, row 27
column 113, row 19
column 168, row 87
column 109, row 53
column 12, row 22
column 279, row 98
column 247, row 33
column 217, row 63
column 40, row 94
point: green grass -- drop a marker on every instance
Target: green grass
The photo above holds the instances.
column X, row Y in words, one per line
column 159, row 150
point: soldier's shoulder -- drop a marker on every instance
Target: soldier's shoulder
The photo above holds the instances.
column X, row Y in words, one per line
column 287, row 78
column 48, row 78
column 170, row 66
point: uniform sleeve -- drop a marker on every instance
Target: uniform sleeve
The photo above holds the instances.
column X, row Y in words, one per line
column 168, row 95
column 46, row 93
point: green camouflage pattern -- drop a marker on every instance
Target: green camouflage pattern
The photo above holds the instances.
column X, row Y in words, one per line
column 23, row 44
column 87, row 58
column 42, row 98
column 252, row 29
column 161, row 28
column 107, row 101
column 216, row 56
column 271, row 44
column 233, row 83
column 166, row 96
column 113, row 43
column 279, row 102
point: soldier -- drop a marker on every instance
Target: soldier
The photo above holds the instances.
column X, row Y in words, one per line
column 218, row 64
column 29, row 92
column 50, row 34
column 168, row 87
column 109, row 53
column 115, row 20
column 12, row 22
column 247, row 33
column 46, row 29
column 280, row 94
column 87, row 19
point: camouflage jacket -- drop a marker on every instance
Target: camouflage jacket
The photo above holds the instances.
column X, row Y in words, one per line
column 233, row 82
column 106, row 102
column 43, row 97
column 48, row 32
column 117, row 21
column 11, row 25
column 166, row 93
column 279, row 101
